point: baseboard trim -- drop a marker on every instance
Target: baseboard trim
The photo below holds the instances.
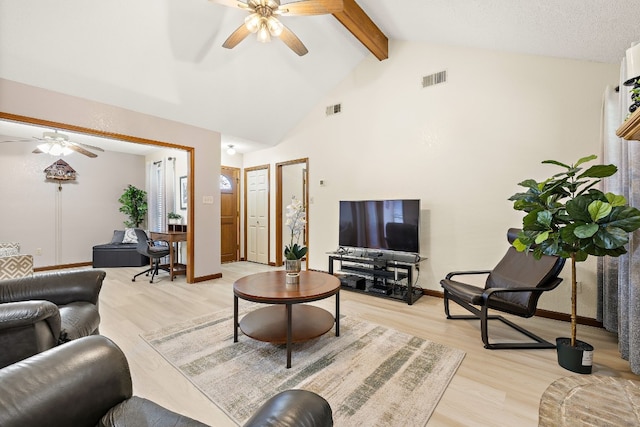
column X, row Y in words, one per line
column 62, row 266
column 548, row 314
column 208, row 277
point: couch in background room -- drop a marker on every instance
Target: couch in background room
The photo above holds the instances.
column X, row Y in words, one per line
column 44, row 310
column 119, row 252
column 87, row 383
column 13, row 264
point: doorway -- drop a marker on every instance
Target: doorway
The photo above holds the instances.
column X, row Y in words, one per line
column 257, row 214
column 229, row 214
column 291, row 181
column 40, row 123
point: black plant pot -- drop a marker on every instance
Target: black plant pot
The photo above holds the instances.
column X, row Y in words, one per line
column 576, row 359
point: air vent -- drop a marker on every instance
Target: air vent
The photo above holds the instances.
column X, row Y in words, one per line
column 434, row 79
column 334, row 109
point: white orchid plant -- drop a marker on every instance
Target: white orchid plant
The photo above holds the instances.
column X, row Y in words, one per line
column 296, row 223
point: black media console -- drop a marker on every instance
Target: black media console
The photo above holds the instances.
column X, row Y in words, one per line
column 376, row 276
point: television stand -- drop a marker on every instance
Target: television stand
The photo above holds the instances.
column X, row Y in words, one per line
column 376, row 276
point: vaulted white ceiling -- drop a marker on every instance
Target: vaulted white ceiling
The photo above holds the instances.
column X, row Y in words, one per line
column 164, row 57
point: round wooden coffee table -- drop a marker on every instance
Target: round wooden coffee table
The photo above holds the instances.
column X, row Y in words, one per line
column 286, row 320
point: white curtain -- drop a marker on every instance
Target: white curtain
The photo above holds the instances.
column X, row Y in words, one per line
column 619, row 278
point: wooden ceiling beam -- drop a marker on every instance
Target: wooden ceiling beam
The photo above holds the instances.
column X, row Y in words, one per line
column 364, row 29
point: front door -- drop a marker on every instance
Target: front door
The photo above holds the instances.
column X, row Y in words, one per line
column 229, row 214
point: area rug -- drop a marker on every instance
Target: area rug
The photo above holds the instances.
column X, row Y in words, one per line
column 371, row 375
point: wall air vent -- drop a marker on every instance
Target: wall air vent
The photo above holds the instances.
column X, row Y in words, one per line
column 333, row 109
column 434, row 79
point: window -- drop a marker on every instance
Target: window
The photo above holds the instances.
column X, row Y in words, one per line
column 225, row 184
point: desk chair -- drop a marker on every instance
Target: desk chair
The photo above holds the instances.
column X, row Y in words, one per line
column 155, row 250
column 513, row 286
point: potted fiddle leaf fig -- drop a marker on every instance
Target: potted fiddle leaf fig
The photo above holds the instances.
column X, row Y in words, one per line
column 567, row 216
column 134, row 205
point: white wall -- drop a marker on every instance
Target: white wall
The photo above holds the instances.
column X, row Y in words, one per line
column 64, row 224
column 461, row 147
column 34, row 102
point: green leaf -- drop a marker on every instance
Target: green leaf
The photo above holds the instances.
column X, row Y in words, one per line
column 598, row 210
column 567, row 234
column 578, row 209
column 586, row 159
column 586, row 231
column 611, row 238
column 529, row 183
column 626, row 218
column 616, row 199
column 544, row 218
column 581, row 256
column 555, row 162
column 599, row 171
column 520, row 247
column 542, row 237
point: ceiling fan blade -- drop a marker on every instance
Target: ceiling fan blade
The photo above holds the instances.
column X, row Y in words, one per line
column 231, row 3
column 293, row 41
column 236, row 37
column 311, row 7
column 12, row 140
column 81, row 150
column 92, row 147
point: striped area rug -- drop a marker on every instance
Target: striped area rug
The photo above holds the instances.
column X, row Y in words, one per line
column 371, row 375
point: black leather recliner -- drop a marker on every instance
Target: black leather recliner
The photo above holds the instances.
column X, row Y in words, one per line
column 41, row 311
column 87, row 383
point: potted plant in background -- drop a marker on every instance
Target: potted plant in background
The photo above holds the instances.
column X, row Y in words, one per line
column 134, row 205
column 174, row 218
column 293, row 252
column 569, row 218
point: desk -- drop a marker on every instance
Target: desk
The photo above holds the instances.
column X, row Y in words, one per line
column 172, row 237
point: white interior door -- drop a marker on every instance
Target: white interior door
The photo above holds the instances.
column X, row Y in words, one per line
column 258, row 216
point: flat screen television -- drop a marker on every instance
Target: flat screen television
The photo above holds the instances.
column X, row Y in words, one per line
column 380, row 224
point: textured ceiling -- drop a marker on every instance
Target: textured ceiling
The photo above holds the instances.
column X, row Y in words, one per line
column 164, row 57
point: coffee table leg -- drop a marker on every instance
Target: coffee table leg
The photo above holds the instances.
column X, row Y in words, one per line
column 289, row 327
column 338, row 314
column 235, row 318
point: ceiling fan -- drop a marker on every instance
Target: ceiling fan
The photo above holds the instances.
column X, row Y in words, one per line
column 263, row 19
column 58, row 144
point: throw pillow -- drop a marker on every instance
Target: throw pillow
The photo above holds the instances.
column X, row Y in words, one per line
column 118, row 236
column 8, row 252
column 130, row 236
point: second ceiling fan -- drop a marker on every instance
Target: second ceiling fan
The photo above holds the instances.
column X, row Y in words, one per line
column 263, row 19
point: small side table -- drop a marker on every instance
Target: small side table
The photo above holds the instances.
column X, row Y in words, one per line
column 286, row 320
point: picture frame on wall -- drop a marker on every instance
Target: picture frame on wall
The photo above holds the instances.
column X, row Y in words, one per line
column 183, row 192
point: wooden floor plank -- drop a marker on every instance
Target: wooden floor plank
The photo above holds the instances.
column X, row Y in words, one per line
column 491, row 387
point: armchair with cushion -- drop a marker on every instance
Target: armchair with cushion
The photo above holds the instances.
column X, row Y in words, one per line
column 513, row 286
column 41, row 311
column 87, row 383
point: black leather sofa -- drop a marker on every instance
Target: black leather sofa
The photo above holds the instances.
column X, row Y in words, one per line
column 41, row 311
column 118, row 254
column 87, row 383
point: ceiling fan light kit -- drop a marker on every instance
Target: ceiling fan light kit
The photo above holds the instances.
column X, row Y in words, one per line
column 261, row 20
column 54, row 148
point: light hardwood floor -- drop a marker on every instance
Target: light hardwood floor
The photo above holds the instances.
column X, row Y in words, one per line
column 491, row 387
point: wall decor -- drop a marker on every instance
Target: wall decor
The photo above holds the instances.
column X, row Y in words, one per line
column 60, row 171
column 183, row 192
